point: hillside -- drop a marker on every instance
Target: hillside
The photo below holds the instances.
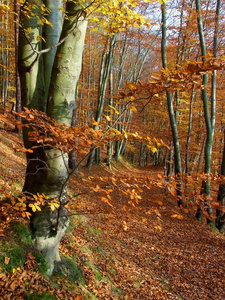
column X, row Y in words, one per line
column 110, row 251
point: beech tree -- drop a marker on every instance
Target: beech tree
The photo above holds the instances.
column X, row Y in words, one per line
column 48, row 82
column 173, row 121
column 51, row 42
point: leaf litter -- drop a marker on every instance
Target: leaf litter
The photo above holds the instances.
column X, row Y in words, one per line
column 124, row 251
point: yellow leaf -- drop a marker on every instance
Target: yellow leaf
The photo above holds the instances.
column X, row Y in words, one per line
column 95, row 29
column 6, row 260
column 131, row 86
column 95, row 123
column 26, row 214
column 174, row 216
column 153, row 149
column 15, row 270
column 116, row 111
column 125, row 227
column 178, row 216
column 35, row 207
column 53, row 205
column 133, row 108
column 158, row 227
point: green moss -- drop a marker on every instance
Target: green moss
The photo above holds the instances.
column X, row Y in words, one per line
column 22, row 232
column 42, row 296
column 98, row 275
column 68, row 268
column 213, row 228
column 94, row 231
column 42, row 263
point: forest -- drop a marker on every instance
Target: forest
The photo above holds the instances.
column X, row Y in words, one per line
column 112, row 149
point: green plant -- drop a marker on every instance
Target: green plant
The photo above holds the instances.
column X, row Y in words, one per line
column 11, row 256
column 42, row 296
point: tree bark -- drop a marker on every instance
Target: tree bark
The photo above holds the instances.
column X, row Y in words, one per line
column 172, row 117
column 209, row 116
column 105, row 69
column 47, row 168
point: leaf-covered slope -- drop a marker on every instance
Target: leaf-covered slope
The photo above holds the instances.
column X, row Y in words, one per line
column 125, row 251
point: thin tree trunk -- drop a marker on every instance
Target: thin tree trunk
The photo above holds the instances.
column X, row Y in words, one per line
column 73, row 154
column 18, row 90
column 189, row 132
column 209, row 120
column 105, row 69
column 173, row 123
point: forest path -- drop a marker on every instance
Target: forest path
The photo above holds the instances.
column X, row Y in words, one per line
column 147, row 253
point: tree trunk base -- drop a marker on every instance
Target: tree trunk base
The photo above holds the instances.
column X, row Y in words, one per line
column 48, row 230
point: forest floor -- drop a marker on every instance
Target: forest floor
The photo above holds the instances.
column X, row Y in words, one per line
column 124, row 250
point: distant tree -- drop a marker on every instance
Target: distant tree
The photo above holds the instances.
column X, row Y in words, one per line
column 172, row 116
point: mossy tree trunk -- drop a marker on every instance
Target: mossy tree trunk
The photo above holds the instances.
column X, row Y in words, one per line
column 47, row 168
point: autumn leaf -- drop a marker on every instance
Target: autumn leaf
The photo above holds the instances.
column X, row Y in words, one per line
column 53, row 205
column 158, row 227
column 131, row 86
column 158, row 202
column 35, row 207
column 108, row 118
column 6, row 260
column 178, row 216
column 133, row 108
column 125, row 227
column 115, row 110
column 106, row 200
column 26, row 214
column 16, row 270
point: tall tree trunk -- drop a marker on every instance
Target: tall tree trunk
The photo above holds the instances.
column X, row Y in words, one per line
column 189, row 132
column 18, row 90
column 51, row 34
column 220, row 215
column 209, row 116
column 105, row 69
column 173, row 123
column 73, row 163
column 47, row 168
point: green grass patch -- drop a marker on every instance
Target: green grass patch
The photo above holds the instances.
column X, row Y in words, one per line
column 12, row 256
column 42, row 296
